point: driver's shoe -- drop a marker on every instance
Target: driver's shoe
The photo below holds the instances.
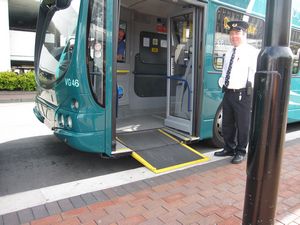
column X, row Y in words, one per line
column 224, row 152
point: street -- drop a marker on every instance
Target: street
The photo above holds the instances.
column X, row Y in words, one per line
column 35, row 162
column 31, row 157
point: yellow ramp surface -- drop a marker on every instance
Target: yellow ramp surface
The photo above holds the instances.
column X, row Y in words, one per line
column 159, row 151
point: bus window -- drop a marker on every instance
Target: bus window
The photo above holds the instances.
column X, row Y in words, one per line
column 222, row 42
column 121, row 53
column 295, row 47
column 96, row 50
column 58, row 45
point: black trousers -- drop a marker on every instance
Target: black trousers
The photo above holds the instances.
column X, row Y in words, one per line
column 236, row 120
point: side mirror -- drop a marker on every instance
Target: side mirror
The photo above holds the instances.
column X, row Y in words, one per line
column 62, row 4
column 296, row 63
column 48, row 2
column 59, row 4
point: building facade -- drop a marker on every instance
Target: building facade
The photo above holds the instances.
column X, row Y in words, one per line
column 17, row 23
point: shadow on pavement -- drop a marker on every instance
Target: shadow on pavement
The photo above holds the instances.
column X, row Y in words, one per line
column 32, row 163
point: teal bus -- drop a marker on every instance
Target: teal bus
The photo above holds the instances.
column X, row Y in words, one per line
column 111, row 73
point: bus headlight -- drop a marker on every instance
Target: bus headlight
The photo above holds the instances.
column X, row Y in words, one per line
column 69, row 122
column 61, row 120
column 75, row 104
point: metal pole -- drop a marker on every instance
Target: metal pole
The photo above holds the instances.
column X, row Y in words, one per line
column 269, row 116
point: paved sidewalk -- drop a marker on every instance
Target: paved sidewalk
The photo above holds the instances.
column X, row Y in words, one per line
column 17, row 96
column 205, row 194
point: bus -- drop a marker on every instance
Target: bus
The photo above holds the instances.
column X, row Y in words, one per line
column 119, row 77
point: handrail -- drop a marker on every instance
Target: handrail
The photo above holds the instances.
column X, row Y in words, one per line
column 174, row 77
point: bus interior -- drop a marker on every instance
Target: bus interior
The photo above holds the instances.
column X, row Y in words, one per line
column 155, row 72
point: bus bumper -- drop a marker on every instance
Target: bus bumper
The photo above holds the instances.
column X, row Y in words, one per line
column 87, row 142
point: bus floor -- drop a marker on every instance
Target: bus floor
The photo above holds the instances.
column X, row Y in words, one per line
column 139, row 122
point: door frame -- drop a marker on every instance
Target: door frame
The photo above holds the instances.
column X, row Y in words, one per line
column 200, row 22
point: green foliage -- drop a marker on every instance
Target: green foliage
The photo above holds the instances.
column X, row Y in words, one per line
column 8, row 81
column 13, row 81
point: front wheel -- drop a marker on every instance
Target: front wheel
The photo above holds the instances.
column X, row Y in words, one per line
column 217, row 139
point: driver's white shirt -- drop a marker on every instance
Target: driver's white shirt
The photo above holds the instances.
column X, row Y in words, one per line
column 243, row 67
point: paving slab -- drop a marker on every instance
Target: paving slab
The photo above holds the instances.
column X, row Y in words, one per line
column 211, row 195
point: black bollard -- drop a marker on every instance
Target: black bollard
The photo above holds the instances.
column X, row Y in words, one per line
column 269, row 116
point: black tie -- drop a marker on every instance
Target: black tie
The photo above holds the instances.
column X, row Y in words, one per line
column 229, row 68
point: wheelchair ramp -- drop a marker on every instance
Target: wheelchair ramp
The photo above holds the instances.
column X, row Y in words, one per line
column 159, row 151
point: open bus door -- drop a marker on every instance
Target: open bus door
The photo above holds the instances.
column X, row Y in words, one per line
column 180, row 72
column 164, row 68
column 184, row 71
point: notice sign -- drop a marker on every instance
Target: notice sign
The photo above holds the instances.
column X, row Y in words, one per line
column 146, row 42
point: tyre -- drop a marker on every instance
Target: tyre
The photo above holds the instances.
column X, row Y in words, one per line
column 217, row 139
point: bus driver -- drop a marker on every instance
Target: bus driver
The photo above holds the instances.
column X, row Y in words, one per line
column 238, row 74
